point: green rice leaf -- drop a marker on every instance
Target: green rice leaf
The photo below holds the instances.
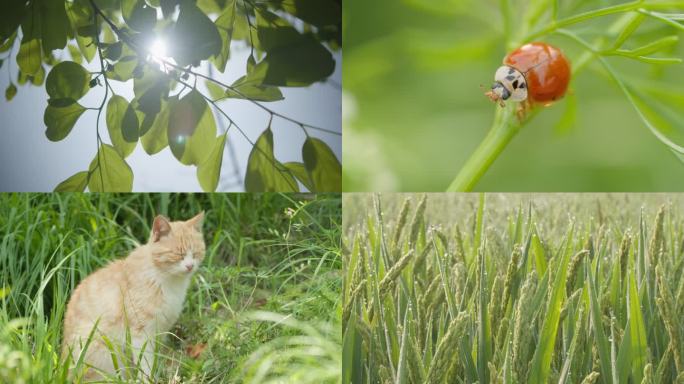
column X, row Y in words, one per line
column 541, row 362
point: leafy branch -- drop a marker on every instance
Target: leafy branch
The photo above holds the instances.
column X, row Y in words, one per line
column 280, row 56
column 287, row 176
column 505, row 126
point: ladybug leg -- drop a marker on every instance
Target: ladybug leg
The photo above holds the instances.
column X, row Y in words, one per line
column 522, row 109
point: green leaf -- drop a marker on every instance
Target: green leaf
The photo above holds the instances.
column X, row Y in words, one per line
column 9, row 43
column 255, row 92
column 323, row 166
column 264, row 172
column 76, row 55
column 67, row 80
column 29, row 56
column 87, row 47
column 55, row 25
column 112, row 174
column 138, row 15
column 316, row 12
column 80, row 15
column 10, row 92
column 123, row 69
column 194, row 37
column 299, row 171
column 246, row 88
column 639, row 343
column 539, row 254
column 209, row 170
column 624, row 357
column 224, row 25
column 653, row 47
column 602, row 343
column 75, row 183
column 541, row 362
column 116, row 110
column 629, row 29
column 298, row 64
column 251, row 85
column 60, row 121
column 61, row 103
column 352, row 357
column 12, row 14
column 129, row 125
column 293, row 58
column 113, row 51
column 192, row 129
column 484, row 328
column 168, row 7
column 215, row 91
column 36, row 79
column 156, row 137
column 150, row 90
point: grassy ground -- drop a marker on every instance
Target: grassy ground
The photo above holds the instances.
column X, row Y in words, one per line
column 513, row 288
column 264, row 306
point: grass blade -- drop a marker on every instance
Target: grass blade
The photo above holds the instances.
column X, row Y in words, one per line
column 541, row 362
column 484, row 333
column 601, row 340
column 639, row 344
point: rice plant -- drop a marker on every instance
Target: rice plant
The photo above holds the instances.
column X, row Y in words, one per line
column 461, row 288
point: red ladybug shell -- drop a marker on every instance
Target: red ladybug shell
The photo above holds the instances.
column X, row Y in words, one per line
column 546, row 70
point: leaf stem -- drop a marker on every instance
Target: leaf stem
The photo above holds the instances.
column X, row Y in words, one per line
column 502, row 131
column 104, row 100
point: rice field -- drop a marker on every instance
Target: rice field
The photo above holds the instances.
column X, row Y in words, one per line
column 463, row 288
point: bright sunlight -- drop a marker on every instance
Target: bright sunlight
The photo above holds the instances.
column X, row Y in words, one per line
column 159, row 55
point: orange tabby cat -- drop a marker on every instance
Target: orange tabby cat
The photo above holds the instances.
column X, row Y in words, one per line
column 143, row 292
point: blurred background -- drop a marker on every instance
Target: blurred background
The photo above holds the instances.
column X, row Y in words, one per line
column 413, row 110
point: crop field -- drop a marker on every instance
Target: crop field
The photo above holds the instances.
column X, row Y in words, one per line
column 262, row 308
column 509, row 288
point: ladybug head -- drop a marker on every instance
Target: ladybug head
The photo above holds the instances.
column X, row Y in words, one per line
column 498, row 93
column 500, row 90
column 509, row 83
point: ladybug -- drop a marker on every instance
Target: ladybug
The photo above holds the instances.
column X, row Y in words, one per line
column 534, row 73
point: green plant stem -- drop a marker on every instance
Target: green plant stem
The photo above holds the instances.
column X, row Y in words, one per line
column 620, row 8
column 502, row 131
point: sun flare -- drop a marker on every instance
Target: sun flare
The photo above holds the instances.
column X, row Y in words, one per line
column 158, row 48
column 158, row 54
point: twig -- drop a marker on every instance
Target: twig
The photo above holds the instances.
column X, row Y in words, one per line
column 104, row 100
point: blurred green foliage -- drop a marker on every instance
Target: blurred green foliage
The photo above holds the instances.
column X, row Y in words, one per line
column 413, row 110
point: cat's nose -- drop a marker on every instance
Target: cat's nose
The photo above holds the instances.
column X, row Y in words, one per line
column 189, row 267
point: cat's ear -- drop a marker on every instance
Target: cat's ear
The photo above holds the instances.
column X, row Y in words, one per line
column 160, row 228
column 197, row 221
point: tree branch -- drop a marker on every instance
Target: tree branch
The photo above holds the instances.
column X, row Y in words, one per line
column 123, row 37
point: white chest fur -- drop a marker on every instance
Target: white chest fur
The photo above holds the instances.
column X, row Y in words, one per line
column 173, row 296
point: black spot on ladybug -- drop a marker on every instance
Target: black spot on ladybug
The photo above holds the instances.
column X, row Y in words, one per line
column 510, row 77
column 510, row 70
column 522, row 85
column 515, row 84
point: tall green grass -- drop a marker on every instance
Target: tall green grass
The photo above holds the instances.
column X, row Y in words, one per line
column 270, row 277
column 460, row 288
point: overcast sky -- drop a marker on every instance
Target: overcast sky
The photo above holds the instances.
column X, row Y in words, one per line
column 30, row 162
